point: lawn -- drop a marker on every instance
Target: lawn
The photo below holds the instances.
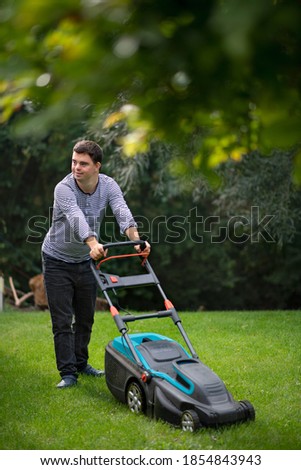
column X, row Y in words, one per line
column 257, row 354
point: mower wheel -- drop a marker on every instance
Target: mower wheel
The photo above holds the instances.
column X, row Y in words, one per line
column 190, row 421
column 135, row 397
column 248, row 409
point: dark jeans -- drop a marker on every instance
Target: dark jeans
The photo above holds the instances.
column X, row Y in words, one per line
column 71, row 292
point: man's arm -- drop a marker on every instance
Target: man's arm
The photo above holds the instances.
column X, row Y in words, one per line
column 133, row 234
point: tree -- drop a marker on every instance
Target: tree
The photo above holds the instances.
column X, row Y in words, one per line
column 29, row 169
column 236, row 247
column 225, row 73
column 206, row 252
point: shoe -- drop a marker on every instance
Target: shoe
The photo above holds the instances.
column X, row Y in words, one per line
column 89, row 370
column 67, row 381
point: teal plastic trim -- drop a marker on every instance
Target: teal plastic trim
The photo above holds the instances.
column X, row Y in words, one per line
column 120, row 345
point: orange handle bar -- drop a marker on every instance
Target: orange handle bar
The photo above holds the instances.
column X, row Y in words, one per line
column 128, row 255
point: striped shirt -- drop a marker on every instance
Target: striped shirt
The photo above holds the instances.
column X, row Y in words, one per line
column 78, row 215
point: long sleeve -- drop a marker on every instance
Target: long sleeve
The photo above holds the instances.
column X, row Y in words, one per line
column 120, row 208
column 65, row 201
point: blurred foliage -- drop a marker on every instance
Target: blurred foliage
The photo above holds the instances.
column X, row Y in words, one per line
column 224, row 71
column 236, row 246
column 29, row 170
column 264, row 183
column 189, row 100
column 209, row 250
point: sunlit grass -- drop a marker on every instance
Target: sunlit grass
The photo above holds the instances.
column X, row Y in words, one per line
column 257, row 354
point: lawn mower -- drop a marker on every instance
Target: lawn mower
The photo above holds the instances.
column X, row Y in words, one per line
column 154, row 374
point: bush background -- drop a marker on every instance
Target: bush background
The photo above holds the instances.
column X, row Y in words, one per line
column 201, row 257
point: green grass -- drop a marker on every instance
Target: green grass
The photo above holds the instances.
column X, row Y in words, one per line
column 257, row 354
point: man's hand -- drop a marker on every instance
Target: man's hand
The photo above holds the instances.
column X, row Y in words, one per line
column 133, row 234
column 146, row 250
column 98, row 252
column 96, row 249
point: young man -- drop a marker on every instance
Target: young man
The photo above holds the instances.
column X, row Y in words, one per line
column 80, row 201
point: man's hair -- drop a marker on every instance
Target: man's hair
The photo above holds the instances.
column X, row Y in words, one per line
column 91, row 148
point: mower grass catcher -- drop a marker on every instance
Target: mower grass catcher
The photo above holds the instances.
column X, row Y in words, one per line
column 154, row 374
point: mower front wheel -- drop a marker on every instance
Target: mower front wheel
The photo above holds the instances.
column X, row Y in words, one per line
column 135, row 397
column 190, row 421
column 248, row 410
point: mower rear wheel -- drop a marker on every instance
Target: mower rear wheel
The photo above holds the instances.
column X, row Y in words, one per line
column 135, row 398
column 190, row 421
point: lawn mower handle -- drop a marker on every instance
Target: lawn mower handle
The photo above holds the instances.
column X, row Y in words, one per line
column 126, row 243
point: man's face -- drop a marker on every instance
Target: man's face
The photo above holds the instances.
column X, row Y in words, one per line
column 83, row 168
